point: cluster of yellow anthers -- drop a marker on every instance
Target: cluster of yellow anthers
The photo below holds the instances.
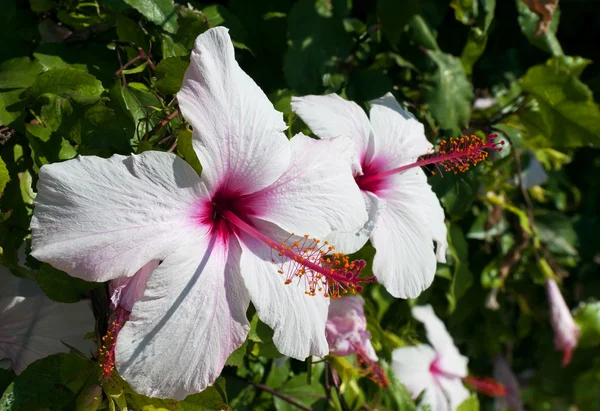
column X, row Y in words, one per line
column 318, row 266
column 459, row 154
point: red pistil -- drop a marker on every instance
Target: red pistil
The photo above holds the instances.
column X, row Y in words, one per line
column 321, row 269
column 453, row 155
column 106, row 353
column 487, row 386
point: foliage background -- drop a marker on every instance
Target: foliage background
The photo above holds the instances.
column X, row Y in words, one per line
column 98, row 77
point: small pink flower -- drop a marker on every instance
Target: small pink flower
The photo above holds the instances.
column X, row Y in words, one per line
column 566, row 332
column 32, row 326
column 347, row 335
column 347, row 328
column 437, row 369
column 224, row 238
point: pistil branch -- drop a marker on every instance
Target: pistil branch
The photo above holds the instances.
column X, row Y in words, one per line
column 106, row 353
column 311, row 261
column 487, row 386
column 454, row 155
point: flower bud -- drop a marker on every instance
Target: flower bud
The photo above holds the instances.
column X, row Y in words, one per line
column 566, row 332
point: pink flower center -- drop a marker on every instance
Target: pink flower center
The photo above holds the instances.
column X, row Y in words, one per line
column 303, row 259
column 485, row 385
column 366, row 183
column 453, row 155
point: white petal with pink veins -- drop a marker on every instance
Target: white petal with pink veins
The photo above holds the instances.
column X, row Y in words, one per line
column 297, row 319
column 449, row 358
column 237, row 133
column 191, row 318
column 331, row 116
column 404, row 235
column 398, row 138
column 353, row 241
column 317, row 193
column 100, row 219
column 411, row 367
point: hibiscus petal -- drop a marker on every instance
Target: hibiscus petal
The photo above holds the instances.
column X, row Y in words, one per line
column 449, row 358
column 398, row 138
column 351, row 242
column 191, row 317
column 317, row 193
column 101, row 219
column 32, row 326
column 454, row 390
column 331, row 116
column 298, row 320
column 411, row 367
column 405, row 261
column 237, row 133
column 125, row 292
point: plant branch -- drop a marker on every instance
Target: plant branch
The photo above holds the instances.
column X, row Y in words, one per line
column 279, row 395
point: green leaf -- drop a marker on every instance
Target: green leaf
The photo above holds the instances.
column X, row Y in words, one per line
column 98, row 131
column 368, row 85
column 557, row 232
column 422, row 34
column 208, row 400
column 394, row 16
column 43, row 385
column 465, row 11
column 129, row 30
column 47, row 147
column 137, row 106
column 61, row 287
column 565, row 114
column 15, row 76
column 169, row 74
column 236, row 358
column 474, row 48
column 186, row 150
column 278, row 375
column 89, row 399
column 587, row 318
column 160, row 12
column 470, row 404
column 76, row 85
column 344, row 368
column 4, row 176
column 400, row 397
column 41, row 6
column 462, row 278
column 317, row 41
column 301, row 392
column 456, row 191
column 528, row 21
column 449, row 94
column 96, row 59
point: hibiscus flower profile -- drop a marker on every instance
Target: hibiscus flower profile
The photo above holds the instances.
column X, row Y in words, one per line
column 246, row 230
column 437, row 370
column 32, row 326
column 405, row 216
